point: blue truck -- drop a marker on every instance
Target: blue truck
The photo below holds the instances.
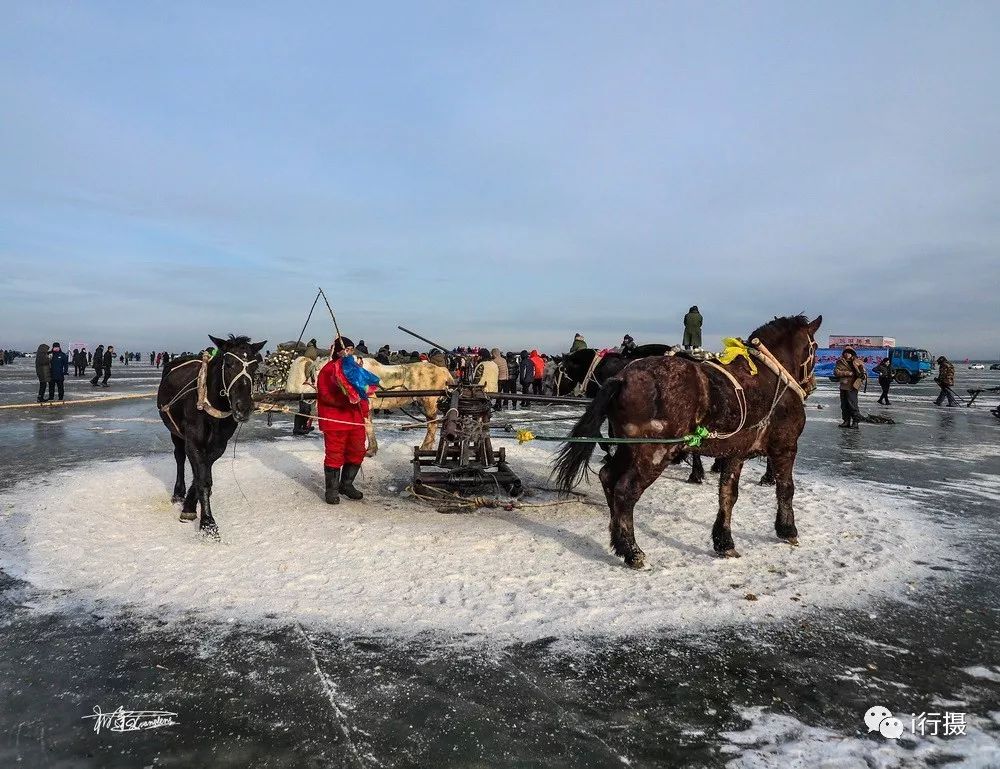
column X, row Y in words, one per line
column 909, row 364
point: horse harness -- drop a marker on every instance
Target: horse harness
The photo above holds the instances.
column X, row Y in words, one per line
column 200, row 385
column 785, row 381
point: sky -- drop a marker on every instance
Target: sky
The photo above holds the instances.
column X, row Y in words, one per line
column 498, row 174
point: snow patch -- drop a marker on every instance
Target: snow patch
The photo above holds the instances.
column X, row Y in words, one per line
column 778, row 741
column 107, row 532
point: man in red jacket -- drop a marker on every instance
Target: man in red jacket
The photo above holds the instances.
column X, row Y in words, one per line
column 342, row 389
column 539, row 364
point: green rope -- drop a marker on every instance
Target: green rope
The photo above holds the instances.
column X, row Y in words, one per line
column 691, row 440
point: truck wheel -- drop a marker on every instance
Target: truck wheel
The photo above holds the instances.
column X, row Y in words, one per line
column 902, row 376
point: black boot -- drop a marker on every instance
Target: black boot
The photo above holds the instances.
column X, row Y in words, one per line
column 347, row 482
column 332, row 475
column 845, row 423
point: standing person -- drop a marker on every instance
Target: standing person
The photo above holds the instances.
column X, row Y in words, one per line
column 692, row 329
column 90, row 358
column 342, row 389
column 487, row 373
column 59, row 368
column 850, row 372
column 539, row 365
column 628, row 345
column 512, row 374
column 526, row 372
column 83, row 361
column 98, row 365
column 166, row 358
column 43, row 370
column 109, row 358
column 152, row 358
column 362, row 348
column 945, row 380
column 884, row 371
column 502, row 376
column 76, row 362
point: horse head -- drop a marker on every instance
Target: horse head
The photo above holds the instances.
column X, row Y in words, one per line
column 238, row 359
column 792, row 340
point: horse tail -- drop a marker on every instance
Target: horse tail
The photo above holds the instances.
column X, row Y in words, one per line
column 571, row 463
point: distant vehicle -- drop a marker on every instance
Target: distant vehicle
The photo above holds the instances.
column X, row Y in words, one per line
column 909, row 364
column 995, row 367
column 978, row 366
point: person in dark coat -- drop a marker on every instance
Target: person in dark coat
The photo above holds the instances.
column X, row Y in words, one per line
column 43, row 369
column 98, row 365
column 526, row 372
column 945, row 380
column 851, row 374
column 884, row 371
column 362, row 348
column 109, row 357
column 692, row 329
column 512, row 374
column 59, row 368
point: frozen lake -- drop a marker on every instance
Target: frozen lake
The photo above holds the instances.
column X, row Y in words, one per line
column 383, row 633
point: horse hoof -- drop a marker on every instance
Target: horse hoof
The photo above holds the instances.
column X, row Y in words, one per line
column 187, row 516
column 210, row 531
column 637, row 561
column 176, row 498
column 695, row 480
column 730, row 553
column 794, row 541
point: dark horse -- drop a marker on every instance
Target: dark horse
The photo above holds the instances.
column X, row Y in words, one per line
column 571, row 370
column 201, row 401
column 668, row 397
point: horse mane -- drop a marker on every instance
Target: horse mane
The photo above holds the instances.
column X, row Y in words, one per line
column 237, row 341
column 779, row 328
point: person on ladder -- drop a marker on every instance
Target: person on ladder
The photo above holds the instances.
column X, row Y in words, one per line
column 342, row 390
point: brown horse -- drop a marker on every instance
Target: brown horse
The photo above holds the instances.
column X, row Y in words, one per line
column 666, row 398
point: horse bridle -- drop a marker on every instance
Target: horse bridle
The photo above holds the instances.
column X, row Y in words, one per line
column 227, row 388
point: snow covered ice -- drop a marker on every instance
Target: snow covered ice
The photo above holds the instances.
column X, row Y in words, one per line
column 391, row 564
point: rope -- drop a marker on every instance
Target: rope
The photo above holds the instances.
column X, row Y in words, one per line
column 52, row 404
column 692, row 440
column 454, row 502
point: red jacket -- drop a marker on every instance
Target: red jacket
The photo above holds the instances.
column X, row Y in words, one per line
column 538, row 363
column 333, row 403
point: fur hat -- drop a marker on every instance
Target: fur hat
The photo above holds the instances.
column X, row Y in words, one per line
column 850, row 349
column 341, row 344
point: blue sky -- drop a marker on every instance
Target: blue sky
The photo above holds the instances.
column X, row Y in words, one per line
column 498, row 173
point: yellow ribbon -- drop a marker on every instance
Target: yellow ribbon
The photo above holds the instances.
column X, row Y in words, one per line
column 735, row 348
column 523, row 436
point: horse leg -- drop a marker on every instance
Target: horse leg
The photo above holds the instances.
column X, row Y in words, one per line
column 697, row 470
column 784, row 522
column 717, row 465
column 189, row 510
column 636, row 472
column 430, row 411
column 180, row 457
column 208, row 525
column 729, row 492
column 372, row 449
column 767, row 479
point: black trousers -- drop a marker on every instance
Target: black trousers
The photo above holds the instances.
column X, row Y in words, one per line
column 57, row 384
column 41, row 390
column 107, row 376
column 97, row 376
column 536, row 387
column 849, row 405
column 884, row 383
column 510, row 386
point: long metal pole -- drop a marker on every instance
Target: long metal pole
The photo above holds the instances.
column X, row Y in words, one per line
column 424, row 339
column 304, row 325
column 335, row 326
